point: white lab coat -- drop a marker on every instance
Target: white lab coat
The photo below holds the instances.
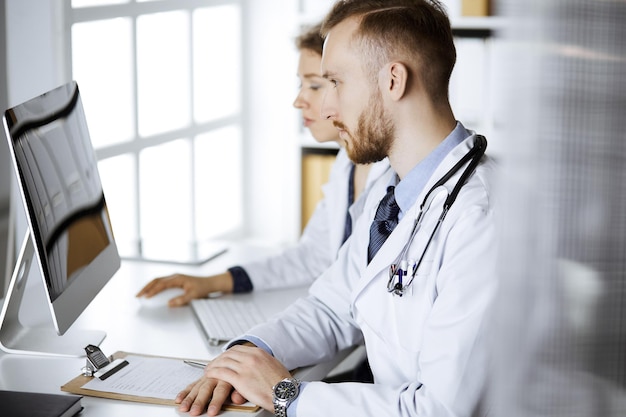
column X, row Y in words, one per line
column 318, row 246
column 427, row 349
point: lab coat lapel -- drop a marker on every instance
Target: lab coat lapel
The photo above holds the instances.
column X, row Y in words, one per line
column 377, row 180
column 390, row 250
column 336, row 198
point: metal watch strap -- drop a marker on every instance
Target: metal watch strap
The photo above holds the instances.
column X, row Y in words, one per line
column 280, row 410
column 281, row 404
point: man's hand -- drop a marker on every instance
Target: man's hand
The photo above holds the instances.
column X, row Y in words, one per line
column 206, row 392
column 250, row 370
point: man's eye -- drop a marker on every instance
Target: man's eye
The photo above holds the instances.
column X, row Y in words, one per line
column 315, row 87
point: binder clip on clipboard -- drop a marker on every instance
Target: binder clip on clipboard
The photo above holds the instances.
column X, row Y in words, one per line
column 99, row 365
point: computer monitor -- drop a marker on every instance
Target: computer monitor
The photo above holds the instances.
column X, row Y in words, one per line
column 69, row 235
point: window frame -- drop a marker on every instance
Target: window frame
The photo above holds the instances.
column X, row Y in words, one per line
column 136, row 144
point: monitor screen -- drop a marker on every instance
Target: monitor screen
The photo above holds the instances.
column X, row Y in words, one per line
column 69, row 225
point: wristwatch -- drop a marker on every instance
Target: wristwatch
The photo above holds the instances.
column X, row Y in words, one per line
column 284, row 393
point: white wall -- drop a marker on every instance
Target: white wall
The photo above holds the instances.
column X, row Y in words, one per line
column 34, row 53
column 5, row 161
column 33, row 65
column 273, row 148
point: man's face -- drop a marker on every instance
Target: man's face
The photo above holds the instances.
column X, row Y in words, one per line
column 354, row 102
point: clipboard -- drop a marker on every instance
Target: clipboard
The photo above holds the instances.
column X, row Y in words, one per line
column 76, row 386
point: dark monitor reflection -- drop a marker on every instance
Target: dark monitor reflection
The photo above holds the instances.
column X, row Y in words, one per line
column 69, row 225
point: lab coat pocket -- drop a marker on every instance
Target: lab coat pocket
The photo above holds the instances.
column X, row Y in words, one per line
column 398, row 320
column 391, row 360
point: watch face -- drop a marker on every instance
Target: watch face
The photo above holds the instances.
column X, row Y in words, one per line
column 285, row 390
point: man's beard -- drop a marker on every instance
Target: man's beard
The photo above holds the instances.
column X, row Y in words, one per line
column 373, row 136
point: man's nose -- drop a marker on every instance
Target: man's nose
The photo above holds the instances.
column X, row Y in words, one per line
column 328, row 108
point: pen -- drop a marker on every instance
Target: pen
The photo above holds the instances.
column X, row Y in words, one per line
column 195, row 364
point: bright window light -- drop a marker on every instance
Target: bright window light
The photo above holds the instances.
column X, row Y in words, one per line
column 121, row 191
column 102, row 67
column 217, row 62
column 161, row 86
column 90, row 3
column 163, row 72
column 218, row 182
column 165, row 197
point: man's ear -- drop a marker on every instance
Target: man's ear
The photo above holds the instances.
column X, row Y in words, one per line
column 397, row 79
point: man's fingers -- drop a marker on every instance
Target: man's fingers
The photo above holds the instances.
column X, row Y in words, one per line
column 220, row 395
column 181, row 396
column 195, row 397
column 205, row 392
column 237, row 398
column 186, row 393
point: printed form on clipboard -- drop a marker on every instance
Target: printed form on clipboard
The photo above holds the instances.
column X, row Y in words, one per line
column 146, row 379
column 156, row 377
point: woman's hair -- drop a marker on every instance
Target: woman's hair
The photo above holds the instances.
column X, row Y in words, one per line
column 414, row 32
column 311, row 39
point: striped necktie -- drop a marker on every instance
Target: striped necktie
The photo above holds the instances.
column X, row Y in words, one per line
column 385, row 220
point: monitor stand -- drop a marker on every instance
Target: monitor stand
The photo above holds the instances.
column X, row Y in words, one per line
column 16, row 337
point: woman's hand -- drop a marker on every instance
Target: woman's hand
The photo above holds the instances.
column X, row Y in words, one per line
column 194, row 287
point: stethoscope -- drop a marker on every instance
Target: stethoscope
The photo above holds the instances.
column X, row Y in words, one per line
column 400, row 269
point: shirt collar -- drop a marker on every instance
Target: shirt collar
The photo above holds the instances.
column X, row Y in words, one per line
column 411, row 186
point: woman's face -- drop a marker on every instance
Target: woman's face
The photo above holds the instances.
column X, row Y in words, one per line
column 310, row 96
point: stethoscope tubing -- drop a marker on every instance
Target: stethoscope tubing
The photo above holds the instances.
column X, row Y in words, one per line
column 474, row 156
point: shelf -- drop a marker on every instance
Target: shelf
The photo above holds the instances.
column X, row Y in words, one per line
column 477, row 27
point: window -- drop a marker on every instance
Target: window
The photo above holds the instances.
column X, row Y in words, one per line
column 160, row 81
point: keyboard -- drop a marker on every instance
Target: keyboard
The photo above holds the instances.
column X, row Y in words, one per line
column 225, row 319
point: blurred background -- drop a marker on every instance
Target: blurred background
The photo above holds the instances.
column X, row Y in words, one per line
column 189, row 105
column 189, row 108
column 560, row 320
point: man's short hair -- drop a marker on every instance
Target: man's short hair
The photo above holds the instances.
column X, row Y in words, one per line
column 416, row 33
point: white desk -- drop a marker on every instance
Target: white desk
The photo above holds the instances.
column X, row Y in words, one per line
column 132, row 327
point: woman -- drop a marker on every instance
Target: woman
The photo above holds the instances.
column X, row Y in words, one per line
column 329, row 226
